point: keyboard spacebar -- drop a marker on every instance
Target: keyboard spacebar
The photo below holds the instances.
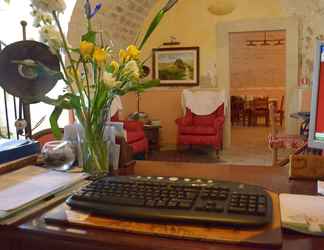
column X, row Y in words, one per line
column 121, row 201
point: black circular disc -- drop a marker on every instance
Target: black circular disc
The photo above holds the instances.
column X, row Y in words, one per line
column 30, row 90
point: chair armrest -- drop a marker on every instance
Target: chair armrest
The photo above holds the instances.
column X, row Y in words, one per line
column 185, row 120
column 219, row 122
column 133, row 125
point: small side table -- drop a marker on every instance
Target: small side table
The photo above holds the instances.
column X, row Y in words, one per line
column 152, row 133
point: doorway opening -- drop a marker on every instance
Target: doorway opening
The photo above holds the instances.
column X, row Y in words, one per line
column 257, row 64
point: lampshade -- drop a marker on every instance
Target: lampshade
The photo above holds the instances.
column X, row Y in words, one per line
column 222, row 7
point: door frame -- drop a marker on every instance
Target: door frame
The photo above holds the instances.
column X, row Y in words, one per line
column 291, row 26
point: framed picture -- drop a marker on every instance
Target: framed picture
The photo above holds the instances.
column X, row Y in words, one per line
column 176, row 66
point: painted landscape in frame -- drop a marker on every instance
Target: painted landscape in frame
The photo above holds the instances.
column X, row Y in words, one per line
column 176, row 66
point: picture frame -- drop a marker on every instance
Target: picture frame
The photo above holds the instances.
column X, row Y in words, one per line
column 177, row 66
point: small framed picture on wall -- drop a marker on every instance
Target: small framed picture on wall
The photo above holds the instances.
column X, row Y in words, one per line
column 176, row 66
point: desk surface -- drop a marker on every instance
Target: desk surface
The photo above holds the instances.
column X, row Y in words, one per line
column 34, row 234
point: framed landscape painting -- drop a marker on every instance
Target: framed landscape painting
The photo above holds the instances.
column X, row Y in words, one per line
column 176, row 66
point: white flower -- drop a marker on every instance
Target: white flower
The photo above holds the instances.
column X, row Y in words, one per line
column 109, row 80
column 49, row 5
column 40, row 17
column 50, row 35
column 132, row 68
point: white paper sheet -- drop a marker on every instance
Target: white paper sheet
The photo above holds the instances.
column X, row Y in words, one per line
column 303, row 213
column 21, row 187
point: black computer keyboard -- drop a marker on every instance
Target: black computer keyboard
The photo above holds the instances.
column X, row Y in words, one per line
column 183, row 200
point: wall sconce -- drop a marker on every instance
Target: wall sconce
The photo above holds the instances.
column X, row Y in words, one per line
column 173, row 42
column 222, row 7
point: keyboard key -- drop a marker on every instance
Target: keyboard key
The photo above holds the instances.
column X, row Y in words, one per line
column 185, row 204
column 161, row 203
column 123, row 201
column 172, row 204
column 237, row 210
column 150, row 203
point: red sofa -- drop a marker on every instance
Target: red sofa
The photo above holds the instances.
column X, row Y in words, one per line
column 135, row 134
column 201, row 129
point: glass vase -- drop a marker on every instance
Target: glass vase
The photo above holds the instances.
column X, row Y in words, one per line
column 93, row 150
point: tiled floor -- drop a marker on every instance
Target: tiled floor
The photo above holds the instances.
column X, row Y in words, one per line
column 249, row 147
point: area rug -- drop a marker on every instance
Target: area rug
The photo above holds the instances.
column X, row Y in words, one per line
column 187, row 155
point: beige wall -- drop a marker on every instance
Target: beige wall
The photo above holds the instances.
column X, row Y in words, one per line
column 161, row 104
column 257, row 66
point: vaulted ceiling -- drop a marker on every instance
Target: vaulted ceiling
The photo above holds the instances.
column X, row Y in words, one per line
column 119, row 21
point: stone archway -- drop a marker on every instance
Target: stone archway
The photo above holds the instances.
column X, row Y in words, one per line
column 119, row 21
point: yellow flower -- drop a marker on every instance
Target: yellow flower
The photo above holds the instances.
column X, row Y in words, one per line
column 133, row 52
column 123, row 55
column 86, row 48
column 100, row 56
column 114, row 65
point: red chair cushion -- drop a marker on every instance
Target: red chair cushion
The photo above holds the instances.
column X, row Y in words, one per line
column 133, row 136
column 198, row 130
column 140, row 146
column 214, row 140
column 203, row 120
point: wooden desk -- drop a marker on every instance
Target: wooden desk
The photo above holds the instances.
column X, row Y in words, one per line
column 34, row 234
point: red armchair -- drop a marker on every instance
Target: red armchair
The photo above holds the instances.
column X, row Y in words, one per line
column 135, row 134
column 201, row 129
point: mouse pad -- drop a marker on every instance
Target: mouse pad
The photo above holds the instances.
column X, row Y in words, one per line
column 269, row 235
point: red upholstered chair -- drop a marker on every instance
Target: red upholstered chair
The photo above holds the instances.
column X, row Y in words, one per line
column 135, row 136
column 201, row 129
column 44, row 136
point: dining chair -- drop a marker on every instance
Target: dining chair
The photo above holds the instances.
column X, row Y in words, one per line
column 260, row 108
column 237, row 110
column 279, row 112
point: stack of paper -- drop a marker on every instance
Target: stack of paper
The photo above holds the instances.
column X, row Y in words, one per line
column 303, row 213
column 30, row 185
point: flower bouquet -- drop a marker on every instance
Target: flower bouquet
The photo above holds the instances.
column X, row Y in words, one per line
column 93, row 75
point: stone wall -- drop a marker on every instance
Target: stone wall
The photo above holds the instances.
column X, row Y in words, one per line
column 119, row 21
column 311, row 15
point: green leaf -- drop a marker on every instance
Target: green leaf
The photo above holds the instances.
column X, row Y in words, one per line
column 54, row 122
column 157, row 19
column 89, row 37
column 76, row 50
